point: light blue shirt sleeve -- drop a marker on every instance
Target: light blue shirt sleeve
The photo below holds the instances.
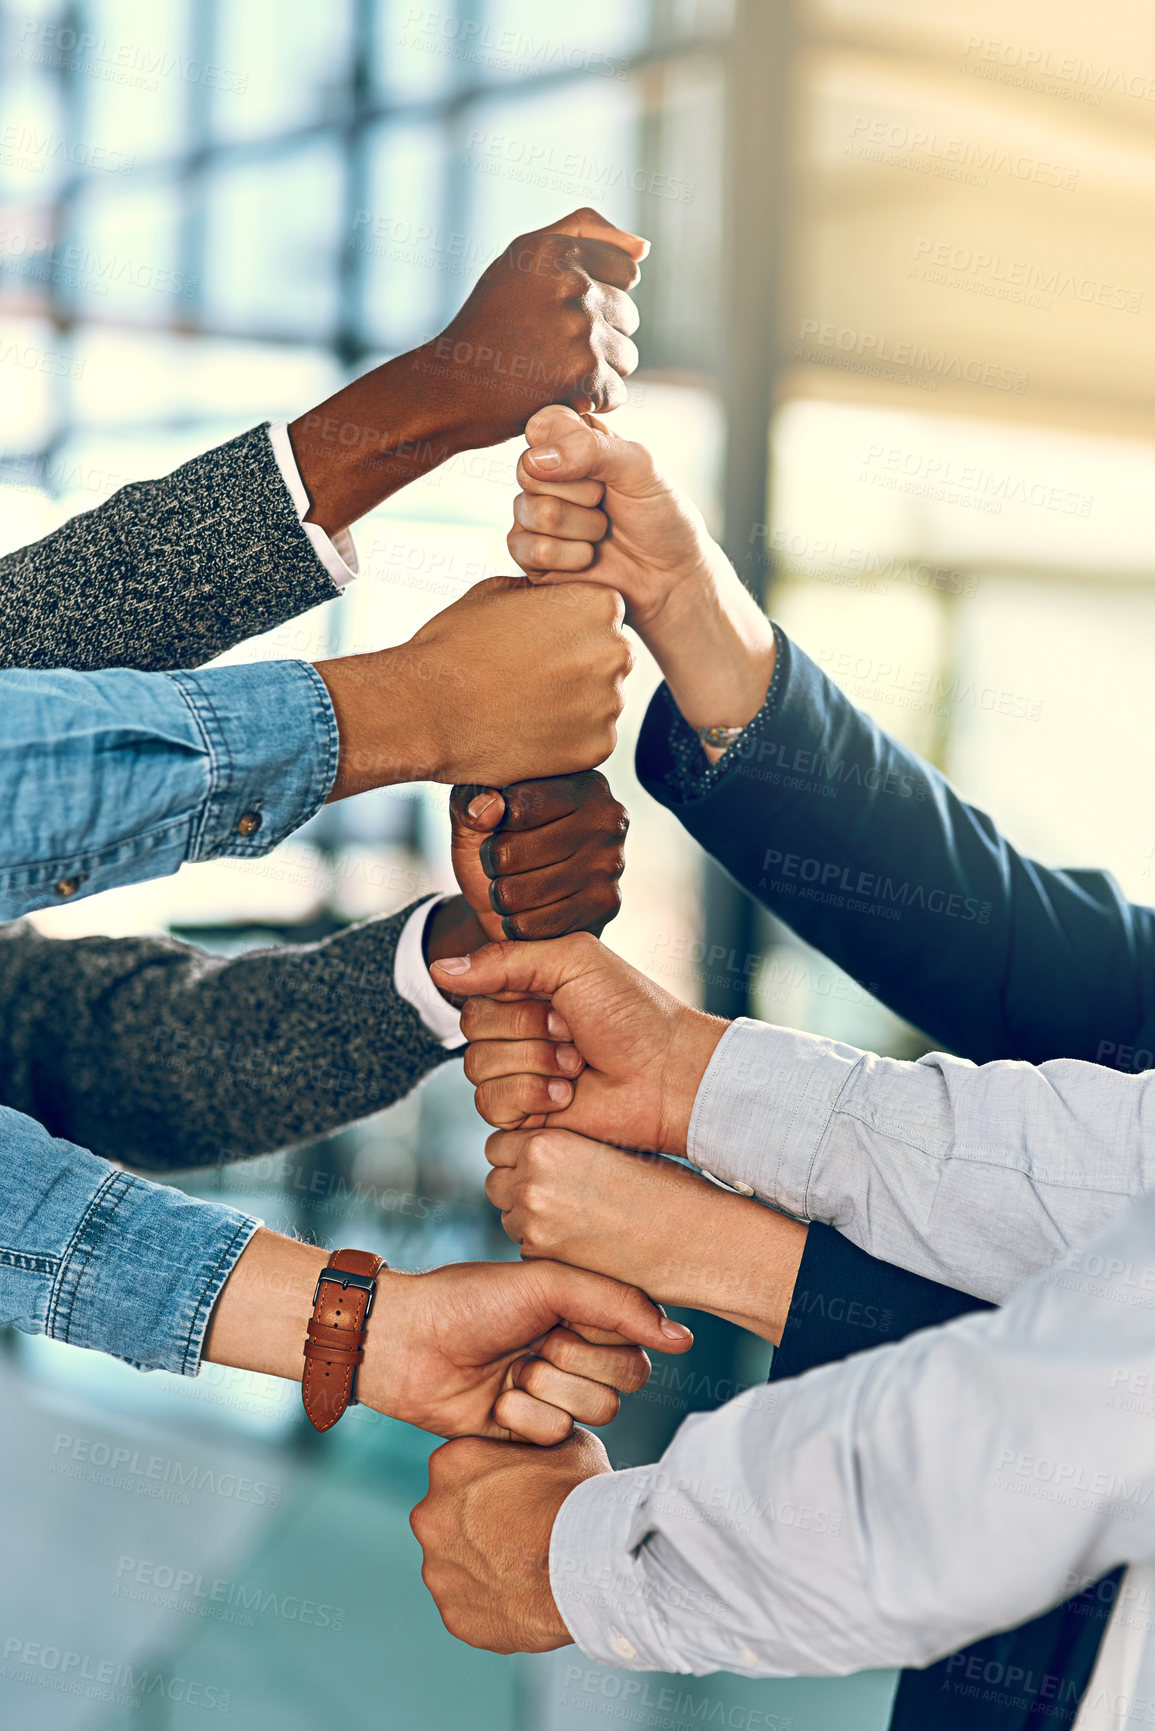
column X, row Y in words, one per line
column 96, row 1257
column 977, row 1176
column 889, row 1509
column 112, row 778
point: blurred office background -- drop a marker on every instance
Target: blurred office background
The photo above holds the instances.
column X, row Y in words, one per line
column 896, row 340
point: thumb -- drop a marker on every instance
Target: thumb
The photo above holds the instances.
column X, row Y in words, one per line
column 591, row 1302
column 587, row 453
column 589, row 224
column 474, row 813
column 538, row 969
column 476, row 810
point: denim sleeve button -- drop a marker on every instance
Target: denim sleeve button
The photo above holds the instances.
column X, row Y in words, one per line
column 67, row 887
column 250, row 823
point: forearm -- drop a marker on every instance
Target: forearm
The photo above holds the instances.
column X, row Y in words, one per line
column 869, row 855
column 848, row 1520
column 144, row 1049
column 977, row 1177
column 715, row 647
column 100, row 1259
column 379, row 433
column 114, row 778
column 720, row 1253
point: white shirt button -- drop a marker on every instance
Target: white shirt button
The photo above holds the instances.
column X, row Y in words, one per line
column 739, row 1189
column 623, row 1647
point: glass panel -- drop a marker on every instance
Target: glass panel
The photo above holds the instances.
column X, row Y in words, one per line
column 269, row 79
column 135, row 72
column 415, row 267
column 529, row 162
column 123, row 260
column 273, row 233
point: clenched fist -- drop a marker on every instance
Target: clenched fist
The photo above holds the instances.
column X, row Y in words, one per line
column 507, row 683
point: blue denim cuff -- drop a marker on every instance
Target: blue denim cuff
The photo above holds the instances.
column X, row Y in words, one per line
column 142, row 1272
column 270, row 735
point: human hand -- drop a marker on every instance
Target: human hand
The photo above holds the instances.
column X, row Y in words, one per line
column 647, row 1220
column 506, row 683
column 644, row 1050
column 503, row 1349
column 548, row 321
column 596, row 505
column 540, row 858
column 474, row 1349
column 484, row 1528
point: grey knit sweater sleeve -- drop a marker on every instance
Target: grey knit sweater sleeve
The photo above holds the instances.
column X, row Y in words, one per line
column 155, row 1054
column 167, row 573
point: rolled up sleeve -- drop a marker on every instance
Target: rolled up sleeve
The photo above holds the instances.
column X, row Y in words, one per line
column 114, row 778
column 96, row 1257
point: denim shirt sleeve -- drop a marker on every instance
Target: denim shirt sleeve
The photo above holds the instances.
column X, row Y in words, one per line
column 112, row 778
column 94, row 1256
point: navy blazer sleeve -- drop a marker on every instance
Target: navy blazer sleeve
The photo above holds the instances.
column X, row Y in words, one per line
column 870, row 856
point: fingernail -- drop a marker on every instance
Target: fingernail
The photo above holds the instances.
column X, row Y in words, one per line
column 568, row 1058
column 545, row 457
column 454, row 964
column 559, row 1091
column 674, row 1330
column 557, row 1027
column 477, row 808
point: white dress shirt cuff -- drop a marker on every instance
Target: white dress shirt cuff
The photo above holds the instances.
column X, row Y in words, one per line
column 414, row 982
column 337, row 554
column 763, row 1107
column 598, row 1584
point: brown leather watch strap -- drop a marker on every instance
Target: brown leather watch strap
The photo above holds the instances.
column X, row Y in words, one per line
column 335, row 1340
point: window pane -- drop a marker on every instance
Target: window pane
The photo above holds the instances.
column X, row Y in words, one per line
column 135, row 71
column 273, row 229
column 416, row 269
column 124, row 260
column 270, row 79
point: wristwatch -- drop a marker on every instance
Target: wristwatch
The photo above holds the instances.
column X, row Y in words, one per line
column 335, row 1338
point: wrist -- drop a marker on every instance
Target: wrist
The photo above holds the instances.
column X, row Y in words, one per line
column 375, row 435
column 740, row 1263
column 384, row 726
column 714, row 645
column 260, row 1318
column 696, row 1036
